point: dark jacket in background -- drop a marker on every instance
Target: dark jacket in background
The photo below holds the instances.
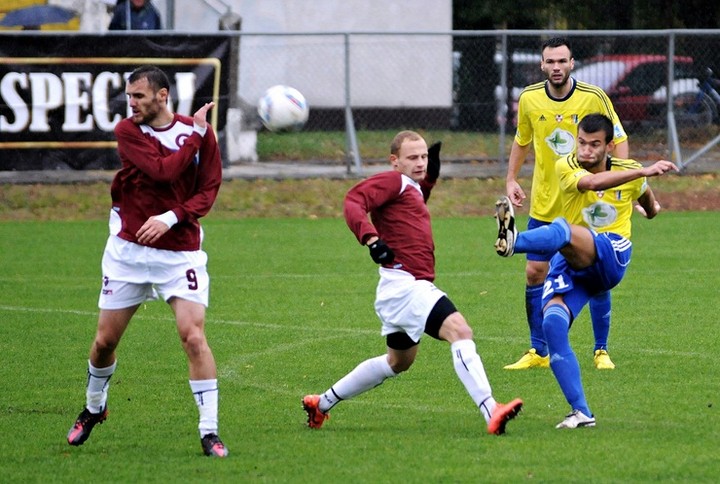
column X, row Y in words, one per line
column 144, row 18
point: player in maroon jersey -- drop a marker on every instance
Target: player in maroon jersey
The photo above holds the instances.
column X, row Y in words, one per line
column 399, row 237
column 170, row 176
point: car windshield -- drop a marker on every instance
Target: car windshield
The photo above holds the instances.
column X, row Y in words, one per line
column 603, row 74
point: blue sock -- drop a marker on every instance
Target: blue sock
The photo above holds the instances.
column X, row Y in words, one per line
column 600, row 305
column 546, row 239
column 564, row 363
column 533, row 308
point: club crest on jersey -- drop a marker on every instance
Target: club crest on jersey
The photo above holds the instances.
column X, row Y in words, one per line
column 575, row 118
column 562, row 142
column 181, row 138
column 599, row 214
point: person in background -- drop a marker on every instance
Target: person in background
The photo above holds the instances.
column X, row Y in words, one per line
column 143, row 16
column 548, row 115
column 170, row 177
column 590, row 247
column 399, row 238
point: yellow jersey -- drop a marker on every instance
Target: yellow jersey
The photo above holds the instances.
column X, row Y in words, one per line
column 551, row 124
column 605, row 210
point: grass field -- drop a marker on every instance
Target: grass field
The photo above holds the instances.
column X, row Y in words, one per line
column 468, row 145
column 291, row 312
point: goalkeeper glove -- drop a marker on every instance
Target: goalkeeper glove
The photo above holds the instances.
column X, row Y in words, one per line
column 433, row 166
column 381, row 253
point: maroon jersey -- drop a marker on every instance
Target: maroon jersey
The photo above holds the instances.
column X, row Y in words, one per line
column 400, row 217
column 170, row 168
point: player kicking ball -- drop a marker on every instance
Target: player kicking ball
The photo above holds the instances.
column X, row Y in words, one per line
column 591, row 245
column 399, row 238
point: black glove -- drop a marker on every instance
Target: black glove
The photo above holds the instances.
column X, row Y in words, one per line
column 381, row 253
column 433, row 166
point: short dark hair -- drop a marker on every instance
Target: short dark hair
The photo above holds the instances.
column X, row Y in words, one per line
column 156, row 78
column 592, row 123
column 556, row 42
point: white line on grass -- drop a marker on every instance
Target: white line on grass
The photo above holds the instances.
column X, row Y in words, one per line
column 229, row 370
column 229, row 367
column 254, row 324
column 361, row 275
column 372, row 332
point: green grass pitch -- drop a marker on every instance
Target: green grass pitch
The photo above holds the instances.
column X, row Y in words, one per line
column 291, row 312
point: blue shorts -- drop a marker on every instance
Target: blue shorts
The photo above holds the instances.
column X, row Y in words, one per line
column 534, row 223
column 578, row 286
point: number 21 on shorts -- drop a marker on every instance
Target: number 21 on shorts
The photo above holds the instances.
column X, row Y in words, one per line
column 556, row 285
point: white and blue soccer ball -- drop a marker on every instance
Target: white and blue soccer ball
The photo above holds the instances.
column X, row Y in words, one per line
column 283, row 108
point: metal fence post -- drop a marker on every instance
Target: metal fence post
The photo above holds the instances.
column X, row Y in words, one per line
column 350, row 135
column 504, row 84
column 672, row 134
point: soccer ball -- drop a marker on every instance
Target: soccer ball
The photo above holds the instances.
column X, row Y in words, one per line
column 283, row 108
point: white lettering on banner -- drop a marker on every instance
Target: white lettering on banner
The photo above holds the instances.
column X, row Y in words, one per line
column 11, row 97
column 86, row 101
column 185, row 83
column 46, row 95
column 103, row 84
column 76, row 99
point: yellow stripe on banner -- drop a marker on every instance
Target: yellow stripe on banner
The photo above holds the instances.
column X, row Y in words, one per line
column 7, row 5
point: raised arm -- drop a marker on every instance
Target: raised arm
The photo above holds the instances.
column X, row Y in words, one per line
column 611, row 179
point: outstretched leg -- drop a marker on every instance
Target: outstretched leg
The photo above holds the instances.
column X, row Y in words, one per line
column 469, row 369
column 574, row 242
column 365, row 376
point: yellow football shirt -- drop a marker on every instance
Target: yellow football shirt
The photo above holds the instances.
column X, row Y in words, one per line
column 551, row 124
column 603, row 211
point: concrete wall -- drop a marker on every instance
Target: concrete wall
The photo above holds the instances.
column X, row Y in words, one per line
column 386, row 71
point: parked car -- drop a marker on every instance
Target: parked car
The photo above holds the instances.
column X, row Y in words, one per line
column 637, row 86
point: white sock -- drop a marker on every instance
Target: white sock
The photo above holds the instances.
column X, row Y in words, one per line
column 470, row 370
column 206, row 398
column 366, row 376
column 98, row 382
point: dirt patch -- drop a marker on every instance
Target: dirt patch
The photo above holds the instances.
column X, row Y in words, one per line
column 685, row 201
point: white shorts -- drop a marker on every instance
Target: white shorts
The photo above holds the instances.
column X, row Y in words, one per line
column 133, row 272
column 403, row 303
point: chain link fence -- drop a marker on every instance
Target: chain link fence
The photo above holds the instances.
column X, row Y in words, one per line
column 662, row 83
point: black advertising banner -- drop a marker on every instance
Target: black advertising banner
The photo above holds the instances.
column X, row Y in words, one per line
column 61, row 95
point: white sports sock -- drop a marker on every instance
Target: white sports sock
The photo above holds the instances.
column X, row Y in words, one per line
column 470, row 370
column 206, row 398
column 366, row 376
column 98, row 382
